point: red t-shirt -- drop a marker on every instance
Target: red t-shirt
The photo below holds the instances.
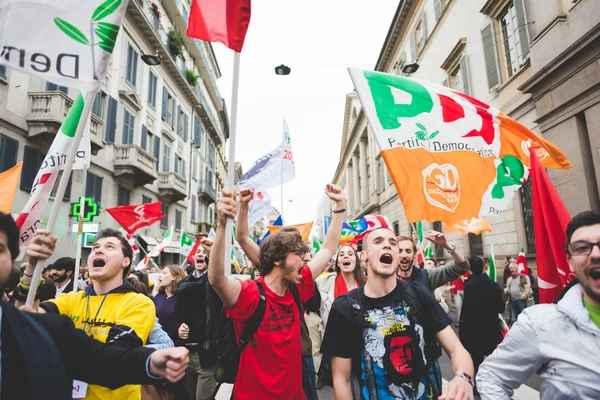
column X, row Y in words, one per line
column 460, row 285
column 272, row 369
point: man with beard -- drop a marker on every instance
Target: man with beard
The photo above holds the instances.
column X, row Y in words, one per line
column 200, row 313
column 558, row 341
column 381, row 354
column 61, row 272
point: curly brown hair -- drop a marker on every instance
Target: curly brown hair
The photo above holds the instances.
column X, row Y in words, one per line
column 358, row 274
column 275, row 248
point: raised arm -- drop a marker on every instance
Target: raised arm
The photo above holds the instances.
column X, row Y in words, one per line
column 241, row 234
column 332, row 239
column 226, row 287
column 451, row 271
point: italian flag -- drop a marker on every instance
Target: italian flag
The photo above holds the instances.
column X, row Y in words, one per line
column 166, row 240
column 420, row 244
column 522, row 262
column 187, row 243
column 492, row 269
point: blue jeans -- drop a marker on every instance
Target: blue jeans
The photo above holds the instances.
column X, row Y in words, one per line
column 308, row 378
column 517, row 307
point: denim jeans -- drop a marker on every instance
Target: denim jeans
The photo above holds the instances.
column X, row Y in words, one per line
column 308, row 378
column 517, row 307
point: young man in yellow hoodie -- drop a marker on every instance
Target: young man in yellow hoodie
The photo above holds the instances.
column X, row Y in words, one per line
column 111, row 310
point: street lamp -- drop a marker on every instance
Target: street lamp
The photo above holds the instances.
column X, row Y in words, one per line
column 410, row 68
column 149, row 59
column 283, row 70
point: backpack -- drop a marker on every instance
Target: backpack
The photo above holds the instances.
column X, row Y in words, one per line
column 230, row 350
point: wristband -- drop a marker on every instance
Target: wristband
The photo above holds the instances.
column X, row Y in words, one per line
column 453, row 249
column 341, row 210
column 27, row 275
column 23, row 285
column 466, row 377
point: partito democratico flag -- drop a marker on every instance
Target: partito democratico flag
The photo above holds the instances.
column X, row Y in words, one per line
column 68, row 42
column 451, row 157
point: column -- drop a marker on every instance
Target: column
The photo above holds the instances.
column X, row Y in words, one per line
column 356, row 189
column 349, row 189
column 364, row 176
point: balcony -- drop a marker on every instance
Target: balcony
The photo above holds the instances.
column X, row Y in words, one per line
column 207, row 192
column 171, row 187
column 134, row 164
column 156, row 34
column 203, row 228
column 47, row 111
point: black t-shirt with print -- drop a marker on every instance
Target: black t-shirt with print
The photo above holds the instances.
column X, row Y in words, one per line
column 394, row 344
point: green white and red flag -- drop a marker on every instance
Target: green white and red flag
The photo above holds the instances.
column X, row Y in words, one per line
column 492, row 266
column 166, row 241
column 522, row 262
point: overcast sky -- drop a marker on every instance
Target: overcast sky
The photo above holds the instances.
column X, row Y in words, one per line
column 318, row 40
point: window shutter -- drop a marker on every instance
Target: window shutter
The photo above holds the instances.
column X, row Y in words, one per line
column 424, row 30
column 97, row 106
column 144, row 137
column 2, row 71
column 522, row 27
column 183, row 168
column 197, row 132
column 165, row 103
column 32, row 159
column 176, row 163
column 67, row 196
column 193, row 209
column 438, row 8
column 111, row 126
column 8, row 153
column 464, row 71
column 491, row 59
column 157, row 150
column 173, row 115
column 185, row 127
column 413, row 47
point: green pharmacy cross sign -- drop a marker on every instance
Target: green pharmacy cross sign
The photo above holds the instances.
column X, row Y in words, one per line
column 90, row 209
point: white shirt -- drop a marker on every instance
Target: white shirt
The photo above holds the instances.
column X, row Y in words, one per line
column 61, row 289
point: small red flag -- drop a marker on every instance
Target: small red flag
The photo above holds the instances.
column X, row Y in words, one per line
column 550, row 219
column 192, row 256
column 135, row 217
column 224, row 21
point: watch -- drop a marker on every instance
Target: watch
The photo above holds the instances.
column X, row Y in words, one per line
column 466, row 377
column 453, row 248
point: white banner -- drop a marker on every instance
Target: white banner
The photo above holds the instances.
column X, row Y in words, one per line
column 258, row 208
column 68, row 42
column 267, row 171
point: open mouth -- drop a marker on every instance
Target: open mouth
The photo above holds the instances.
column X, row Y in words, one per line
column 346, row 263
column 98, row 263
column 595, row 274
column 386, row 259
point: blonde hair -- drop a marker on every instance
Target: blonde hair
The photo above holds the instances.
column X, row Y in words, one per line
column 178, row 274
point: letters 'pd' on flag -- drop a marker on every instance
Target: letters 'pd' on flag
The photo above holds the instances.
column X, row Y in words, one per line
column 186, row 245
column 9, row 180
column 55, row 160
column 450, row 156
column 68, row 42
column 266, row 172
column 550, row 220
column 223, row 21
column 132, row 218
column 303, row 228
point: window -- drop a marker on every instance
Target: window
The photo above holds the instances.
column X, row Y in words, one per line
column 459, row 78
column 475, row 244
column 123, row 196
column 166, row 158
column 51, row 87
column 131, row 68
column 157, row 150
column 93, row 187
column 380, row 176
column 146, row 199
column 179, row 165
column 439, row 250
column 8, row 152
column 457, row 68
column 185, row 127
column 111, row 120
column 128, row 125
column 165, row 221
column 67, row 195
column 420, row 34
column 2, row 72
column 152, row 86
column 179, row 121
column 32, row 160
column 147, row 139
column 491, row 59
column 438, row 8
column 193, row 216
column 388, row 177
column 514, row 37
column 98, row 106
column 197, row 132
column 172, row 112
column 178, row 219
column 396, row 228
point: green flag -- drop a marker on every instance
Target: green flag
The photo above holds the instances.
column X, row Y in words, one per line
column 187, row 243
column 492, row 269
column 316, row 244
column 429, row 251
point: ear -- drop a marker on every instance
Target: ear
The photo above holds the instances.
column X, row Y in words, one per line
column 363, row 257
column 69, row 273
column 126, row 262
column 570, row 261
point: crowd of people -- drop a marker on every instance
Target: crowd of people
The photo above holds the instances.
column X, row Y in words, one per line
column 364, row 318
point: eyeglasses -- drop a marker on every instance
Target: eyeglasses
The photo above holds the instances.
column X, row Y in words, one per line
column 299, row 253
column 581, row 248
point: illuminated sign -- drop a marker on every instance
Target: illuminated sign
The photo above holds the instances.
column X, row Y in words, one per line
column 91, row 209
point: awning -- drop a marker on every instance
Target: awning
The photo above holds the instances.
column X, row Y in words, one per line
column 150, row 241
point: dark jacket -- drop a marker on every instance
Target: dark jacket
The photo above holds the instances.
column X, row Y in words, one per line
column 479, row 329
column 202, row 310
column 43, row 353
column 69, row 287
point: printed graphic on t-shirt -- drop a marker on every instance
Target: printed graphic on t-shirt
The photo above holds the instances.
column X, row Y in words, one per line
column 279, row 316
column 394, row 347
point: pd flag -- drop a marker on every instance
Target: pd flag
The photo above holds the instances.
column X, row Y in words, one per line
column 186, row 245
column 451, row 157
column 132, row 218
column 72, row 41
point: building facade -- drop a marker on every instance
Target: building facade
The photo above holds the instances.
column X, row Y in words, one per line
column 157, row 131
column 497, row 51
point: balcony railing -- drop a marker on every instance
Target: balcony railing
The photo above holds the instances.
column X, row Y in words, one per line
column 205, row 189
column 171, row 186
column 135, row 163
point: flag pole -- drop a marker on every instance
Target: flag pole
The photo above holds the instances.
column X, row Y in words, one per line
column 231, row 161
column 60, row 192
column 80, row 230
column 282, row 154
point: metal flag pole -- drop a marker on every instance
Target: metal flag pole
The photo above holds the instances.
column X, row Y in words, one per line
column 231, row 160
column 60, row 192
column 282, row 156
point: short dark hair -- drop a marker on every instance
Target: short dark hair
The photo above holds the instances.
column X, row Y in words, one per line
column 407, row 239
column 585, row 218
column 66, row 263
column 127, row 250
column 10, row 228
column 275, row 247
column 475, row 264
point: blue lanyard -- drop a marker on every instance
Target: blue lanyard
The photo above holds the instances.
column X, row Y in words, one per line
column 87, row 309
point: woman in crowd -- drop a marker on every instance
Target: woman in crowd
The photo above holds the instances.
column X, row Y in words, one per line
column 165, row 300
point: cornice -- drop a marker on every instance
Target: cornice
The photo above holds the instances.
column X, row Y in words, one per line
column 398, row 26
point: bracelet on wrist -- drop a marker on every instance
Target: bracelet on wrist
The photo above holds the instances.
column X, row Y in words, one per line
column 340, row 210
column 23, row 285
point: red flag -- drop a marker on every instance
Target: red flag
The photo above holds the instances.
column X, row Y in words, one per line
column 550, row 219
column 192, row 256
column 224, row 21
column 135, row 217
column 522, row 263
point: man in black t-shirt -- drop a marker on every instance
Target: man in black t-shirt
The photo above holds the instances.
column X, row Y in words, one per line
column 386, row 357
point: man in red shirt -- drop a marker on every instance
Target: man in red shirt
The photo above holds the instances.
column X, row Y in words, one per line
column 272, row 369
